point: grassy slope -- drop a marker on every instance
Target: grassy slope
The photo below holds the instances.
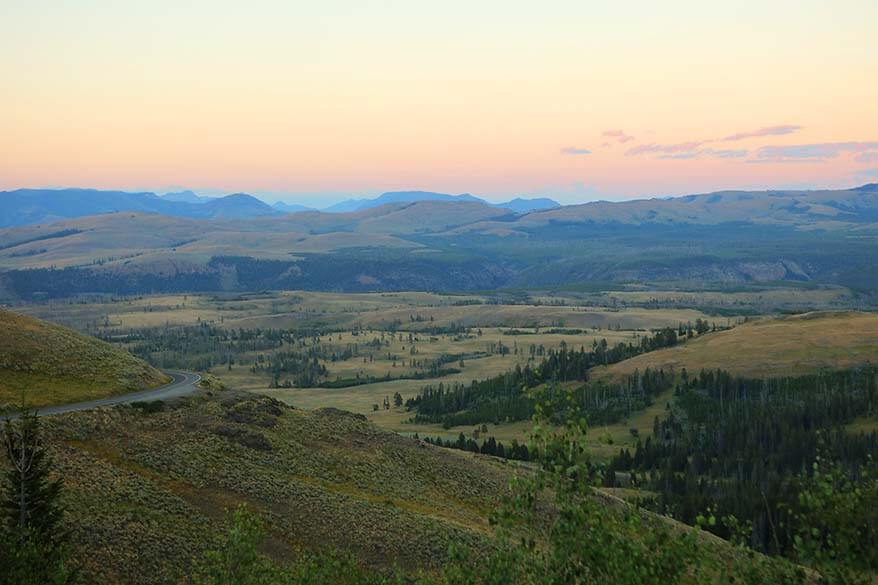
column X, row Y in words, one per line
column 771, row 347
column 146, row 492
column 54, row 365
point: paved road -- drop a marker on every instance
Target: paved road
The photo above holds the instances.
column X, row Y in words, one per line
column 183, row 383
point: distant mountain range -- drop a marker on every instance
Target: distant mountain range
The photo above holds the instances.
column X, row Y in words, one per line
column 728, row 238
column 186, row 197
column 291, row 207
column 517, row 205
column 37, row 206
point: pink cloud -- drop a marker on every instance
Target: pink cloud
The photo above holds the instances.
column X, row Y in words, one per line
column 765, row 131
column 665, row 148
column 705, row 152
column 619, row 135
column 691, row 149
column 817, row 152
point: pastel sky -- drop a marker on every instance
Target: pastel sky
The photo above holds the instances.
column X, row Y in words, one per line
column 320, row 100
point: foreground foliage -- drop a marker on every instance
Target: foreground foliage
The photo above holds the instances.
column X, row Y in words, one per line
column 572, row 536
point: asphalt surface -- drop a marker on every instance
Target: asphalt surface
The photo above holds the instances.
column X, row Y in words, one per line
column 183, row 383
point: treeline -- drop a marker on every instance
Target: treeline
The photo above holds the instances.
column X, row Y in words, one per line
column 739, row 446
column 288, row 357
column 343, row 270
column 198, row 347
column 359, row 380
column 203, row 346
column 507, row 398
column 489, row 446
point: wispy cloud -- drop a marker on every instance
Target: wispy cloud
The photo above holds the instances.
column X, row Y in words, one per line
column 695, row 148
column 619, row 135
column 868, row 174
column 665, row 148
column 735, row 153
column 574, row 151
column 817, row 152
column 765, row 131
column 680, row 155
column 706, row 152
column 868, row 157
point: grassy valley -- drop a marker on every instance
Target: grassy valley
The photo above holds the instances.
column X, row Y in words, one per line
column 319, row 431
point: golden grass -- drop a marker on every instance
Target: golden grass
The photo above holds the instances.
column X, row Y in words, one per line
column 863, row 425
column 45, row 364
column 771, row 347
column 347, row 311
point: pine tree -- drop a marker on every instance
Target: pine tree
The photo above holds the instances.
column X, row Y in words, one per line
column 32, row 542
column 30, row 503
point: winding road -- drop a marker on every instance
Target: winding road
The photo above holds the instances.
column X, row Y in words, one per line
column 183, row 383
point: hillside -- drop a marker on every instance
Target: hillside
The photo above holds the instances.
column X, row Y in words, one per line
column 770, row 347
column 793, row 208
column 146, row 491
column 55, row 365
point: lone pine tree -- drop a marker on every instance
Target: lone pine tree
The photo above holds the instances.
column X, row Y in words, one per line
column 31, row 538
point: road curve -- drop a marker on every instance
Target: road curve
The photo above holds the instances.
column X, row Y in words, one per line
column 183, row 383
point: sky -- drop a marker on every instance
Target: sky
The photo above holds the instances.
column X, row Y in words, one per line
column 319, row 101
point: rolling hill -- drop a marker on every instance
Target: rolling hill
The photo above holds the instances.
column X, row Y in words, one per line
column 785, row 346
column 802, row 209
column 51, row 364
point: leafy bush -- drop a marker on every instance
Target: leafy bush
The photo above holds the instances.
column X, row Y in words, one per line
column 236, row 561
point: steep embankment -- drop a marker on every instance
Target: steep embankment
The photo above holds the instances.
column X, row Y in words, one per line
column 770, row 347
column 51, row 364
